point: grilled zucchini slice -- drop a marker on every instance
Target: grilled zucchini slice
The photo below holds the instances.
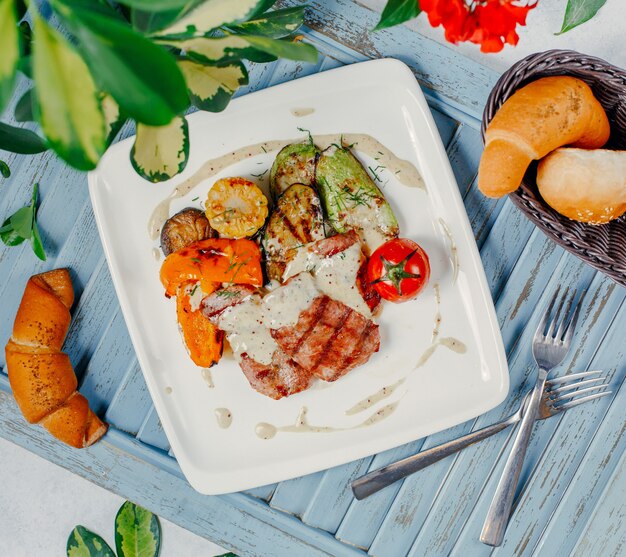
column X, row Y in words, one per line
column 236, row 208
column 351, row 199
column 294, row 164
column 295, row 221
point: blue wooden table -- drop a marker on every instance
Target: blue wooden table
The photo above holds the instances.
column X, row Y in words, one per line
column 571, row 501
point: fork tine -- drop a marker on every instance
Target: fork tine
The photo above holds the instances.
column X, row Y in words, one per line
column 573, row 394
column 546, row 314
column 557, row 316
column 566, row 316
column 573, row 403
column 572, row 377
column 571, row 326
column 573, row 385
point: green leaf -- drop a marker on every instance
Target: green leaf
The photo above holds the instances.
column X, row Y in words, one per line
column 276, row 24
column 578, row 12
column 22, row 221
column 24, row 107
column 5, row 170
column 221, row 49
column 26, row 38
column 285, row 48
column 396, row 12
column 35, row 242
column 156, row 5
column 137, row 532
column 229, row 554
column 9, row 236
column 114, row 118
column 70, row 114
column 262, row 6
column 211, row 87
column 85, row 543
column 214, row 13
column 19, row 140
column 235, row 47
column 161, row 152
column 9, row 49
column 141, row 76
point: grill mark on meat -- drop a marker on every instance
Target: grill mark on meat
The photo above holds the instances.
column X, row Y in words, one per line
column 329, row 339
column 283, row 377
column 308, row 321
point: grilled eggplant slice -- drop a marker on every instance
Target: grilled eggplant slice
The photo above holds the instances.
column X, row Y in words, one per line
column 294, row 164
column 351, row 199
column 296, row 220
column 184, row 228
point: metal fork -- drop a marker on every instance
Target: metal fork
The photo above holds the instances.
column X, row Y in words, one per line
column 549, row 348
column 559, row 394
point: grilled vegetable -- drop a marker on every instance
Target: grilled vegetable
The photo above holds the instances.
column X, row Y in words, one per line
column 236, row 207
column 351, row 199
column 212, row 261
column 294, row 164
column 295, row 221
column 204, row 340
column 184, row 228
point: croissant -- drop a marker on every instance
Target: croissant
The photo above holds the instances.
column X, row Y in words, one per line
column 41, row 376
column 535, row 120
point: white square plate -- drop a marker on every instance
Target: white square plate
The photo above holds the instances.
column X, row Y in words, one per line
column 380, row 98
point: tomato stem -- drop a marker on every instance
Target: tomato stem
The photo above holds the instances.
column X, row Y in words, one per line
column 395, row 273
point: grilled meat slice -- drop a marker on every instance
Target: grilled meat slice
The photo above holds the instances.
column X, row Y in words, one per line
column 282, row 377
column 222, row 299
column 329, row 339
column 239, row 313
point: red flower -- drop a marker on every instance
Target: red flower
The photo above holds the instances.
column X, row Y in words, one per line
column 490, row 23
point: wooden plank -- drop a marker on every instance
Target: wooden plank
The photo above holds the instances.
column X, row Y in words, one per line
column 131, row 403
column 108, row 364
column 237, row 522
column 293, row 496
column 151, row 432
column 606, row 533
column 412, row 507
column 559, row 445
column 466, row 496
column 588, row 489
column 461, row 82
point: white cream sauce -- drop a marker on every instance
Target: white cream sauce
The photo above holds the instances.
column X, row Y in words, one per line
column 450, row 343
column 196, row 295
column 334, row 276
column 247, row 332
column 224, row 417
column 208, row 377
column 284, row 305
column 268, row 431
column 402, row 170
column 300, row 112
column 454, row 252
column 372, row 399
column 156, row 254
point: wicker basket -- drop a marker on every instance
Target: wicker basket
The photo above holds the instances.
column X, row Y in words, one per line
column 603, row 246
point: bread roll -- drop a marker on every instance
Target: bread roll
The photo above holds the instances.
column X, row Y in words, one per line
column 41, row 376
column 537, row 119
column 588, row 186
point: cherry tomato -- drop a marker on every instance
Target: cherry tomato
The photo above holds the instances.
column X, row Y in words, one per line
column 399, row 269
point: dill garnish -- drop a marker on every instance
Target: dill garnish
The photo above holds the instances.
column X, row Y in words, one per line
column 228, row 293
column 196, row 260
column 260, row 175
column 309, row 134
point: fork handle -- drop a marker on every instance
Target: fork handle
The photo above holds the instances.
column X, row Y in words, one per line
column 378, row 479
column 500, row 510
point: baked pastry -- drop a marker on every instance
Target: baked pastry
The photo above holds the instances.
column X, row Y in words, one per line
column 537, row 119
column 587, row 186
column 41, row 376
